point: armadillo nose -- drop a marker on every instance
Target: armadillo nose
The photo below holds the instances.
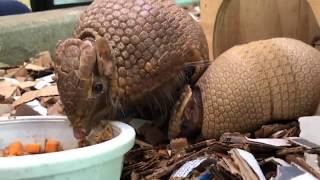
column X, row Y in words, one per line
column 79, row 133
column 87, row 121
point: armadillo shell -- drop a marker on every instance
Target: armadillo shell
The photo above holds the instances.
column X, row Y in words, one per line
column 151, row 41
column 253, row 84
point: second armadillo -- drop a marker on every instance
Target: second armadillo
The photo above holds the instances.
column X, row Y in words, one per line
column 250, row 85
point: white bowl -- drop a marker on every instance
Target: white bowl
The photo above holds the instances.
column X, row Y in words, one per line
column 100, row 161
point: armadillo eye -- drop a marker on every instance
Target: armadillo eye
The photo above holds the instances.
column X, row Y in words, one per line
column 98, row 88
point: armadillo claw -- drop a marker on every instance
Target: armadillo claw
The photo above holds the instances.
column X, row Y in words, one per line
column 178, row 109
column 186, row 118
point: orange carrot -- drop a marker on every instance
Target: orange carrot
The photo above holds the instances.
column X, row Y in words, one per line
column 15, row 149
column 33, row 148
column 2, row 153
column 51, row 145
column 6, row 152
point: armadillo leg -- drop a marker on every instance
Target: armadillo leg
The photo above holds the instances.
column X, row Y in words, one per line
column 186, row 118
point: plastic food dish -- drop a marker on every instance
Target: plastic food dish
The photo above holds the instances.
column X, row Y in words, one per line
column 100, row 161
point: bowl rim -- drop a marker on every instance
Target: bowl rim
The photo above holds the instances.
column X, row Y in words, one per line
column 67, row 160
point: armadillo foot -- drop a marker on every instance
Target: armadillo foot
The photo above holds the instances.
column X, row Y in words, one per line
column 186, row 119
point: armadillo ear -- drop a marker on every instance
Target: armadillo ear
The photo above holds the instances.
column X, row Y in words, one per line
column 87, row 59
column 104, row 57
column 75, row 61
column 74, row 54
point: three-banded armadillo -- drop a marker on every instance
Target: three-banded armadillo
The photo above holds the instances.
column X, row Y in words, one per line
column 248, row 86
column 125, row 54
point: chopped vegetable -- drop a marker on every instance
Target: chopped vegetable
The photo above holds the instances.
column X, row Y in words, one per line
column 2, row 153
column 33, row 148
column 51, row 145
column 15, row 149
column 6, row 152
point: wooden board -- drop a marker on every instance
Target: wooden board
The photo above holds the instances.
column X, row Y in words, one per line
column 209, row 10
column 232, row 22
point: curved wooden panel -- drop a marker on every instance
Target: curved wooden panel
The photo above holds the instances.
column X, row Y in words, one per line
column 232, row 22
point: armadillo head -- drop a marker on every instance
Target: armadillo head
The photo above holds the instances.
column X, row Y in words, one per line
column 83, row 69
column 186, row 119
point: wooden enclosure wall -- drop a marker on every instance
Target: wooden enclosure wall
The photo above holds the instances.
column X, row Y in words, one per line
column 232, row 22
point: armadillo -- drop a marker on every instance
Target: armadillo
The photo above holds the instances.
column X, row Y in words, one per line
column 127, row 54
column 250, row 85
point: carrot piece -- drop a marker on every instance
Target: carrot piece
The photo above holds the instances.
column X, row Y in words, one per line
column 2, row 153
column 33, row 148
column 15, row 149
column 51, row 145
column 6, row 152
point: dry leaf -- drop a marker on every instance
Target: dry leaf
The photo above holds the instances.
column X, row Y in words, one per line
column 29, row 96
column 55, row 109
column 25, row 110
column 43, row 59
column 5, row 109
column 7, row 91
column 26, row 84
column 2, row 72
column 17, row 72
column 35, row 67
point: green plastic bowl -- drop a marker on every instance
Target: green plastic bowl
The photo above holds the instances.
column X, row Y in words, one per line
column 101, row 161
